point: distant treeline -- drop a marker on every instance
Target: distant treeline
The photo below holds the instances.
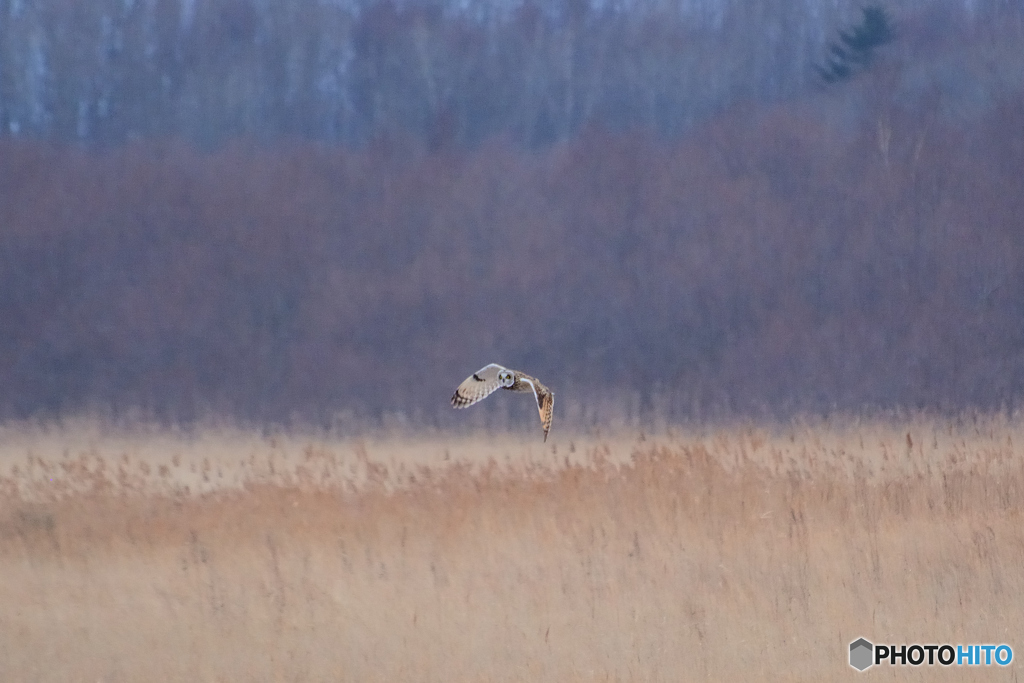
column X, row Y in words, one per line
column 779, row 259
column 449, row 73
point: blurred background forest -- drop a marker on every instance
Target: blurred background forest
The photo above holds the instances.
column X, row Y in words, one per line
column 302, row 210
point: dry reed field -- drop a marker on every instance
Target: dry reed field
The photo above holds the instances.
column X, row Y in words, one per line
column 736, row 553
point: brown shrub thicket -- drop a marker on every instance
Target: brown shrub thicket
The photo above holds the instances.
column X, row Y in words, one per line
column 777, row 260
column 731, row 554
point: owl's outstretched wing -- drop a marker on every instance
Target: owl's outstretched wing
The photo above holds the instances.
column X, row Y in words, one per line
column 545, row 402
column 477, row 386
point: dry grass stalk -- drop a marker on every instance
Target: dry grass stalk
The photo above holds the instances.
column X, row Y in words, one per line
column 737, row 554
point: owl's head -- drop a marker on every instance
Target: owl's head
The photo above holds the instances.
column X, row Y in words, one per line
column 506, row 378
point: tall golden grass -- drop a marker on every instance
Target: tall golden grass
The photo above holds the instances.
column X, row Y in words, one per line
column 741, row 553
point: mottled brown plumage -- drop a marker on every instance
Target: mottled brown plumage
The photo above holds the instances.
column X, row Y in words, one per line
column 490, row 378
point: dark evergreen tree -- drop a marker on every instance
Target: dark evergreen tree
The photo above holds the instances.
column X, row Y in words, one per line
column 854, row 50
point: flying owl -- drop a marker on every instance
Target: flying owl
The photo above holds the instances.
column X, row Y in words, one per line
column 490, row 378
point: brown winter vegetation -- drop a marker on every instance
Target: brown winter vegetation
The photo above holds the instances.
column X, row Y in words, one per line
column 778, row 260
column 734, row 553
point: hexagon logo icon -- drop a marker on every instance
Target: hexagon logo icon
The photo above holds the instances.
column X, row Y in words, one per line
column 861, row 652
